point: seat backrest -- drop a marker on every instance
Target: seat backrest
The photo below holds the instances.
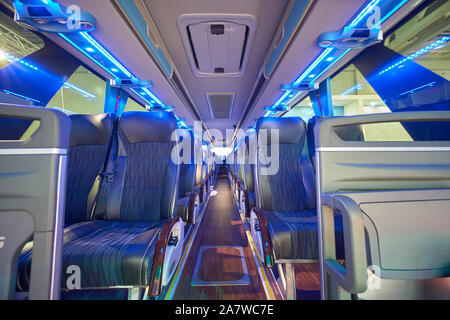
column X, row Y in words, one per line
column 33, row 174
column 188, row 166
column 394, row 197
column 198, row 160
column 282, row 189
column 250, row 143
column 90, row 140
column 240, row 160
column 147, row 179
column 350, row 133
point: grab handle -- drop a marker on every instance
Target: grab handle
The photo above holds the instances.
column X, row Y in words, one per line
column 353, row 277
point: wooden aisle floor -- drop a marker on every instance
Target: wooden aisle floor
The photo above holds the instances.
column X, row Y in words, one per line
column 217, row 245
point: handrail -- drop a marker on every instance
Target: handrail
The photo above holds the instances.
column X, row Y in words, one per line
column 353, row 277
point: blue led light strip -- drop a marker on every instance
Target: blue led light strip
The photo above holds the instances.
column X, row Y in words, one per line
column 332, row 64
column 21, row 96
column 352, row 89
column 415, row 55
column 363, row 13
column 102, row 50
column 145, row 94
column 325, row 55
column 66, row 85
column 15, row 59
column 79, row 90
column 418, row 88
column 391, row 12
column 313, row 65
column 86, row 53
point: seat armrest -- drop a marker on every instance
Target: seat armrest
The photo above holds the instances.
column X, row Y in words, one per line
column 185, row 207
column 162, row 242
column 182, row 207
column 238, row 188
column 269, row 260
column 199, row 190
column 353, row 277
column 247, row 203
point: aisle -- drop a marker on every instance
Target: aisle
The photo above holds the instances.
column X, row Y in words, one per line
column 220, row 264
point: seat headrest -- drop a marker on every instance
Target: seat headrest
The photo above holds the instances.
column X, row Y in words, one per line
column 187, row 135
column 91, row 129
column 146, row 126
column 291, row 130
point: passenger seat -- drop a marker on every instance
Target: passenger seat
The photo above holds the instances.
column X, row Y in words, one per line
column 90, row 143
column 138, row 242
column 285, row 221
column 188, row 198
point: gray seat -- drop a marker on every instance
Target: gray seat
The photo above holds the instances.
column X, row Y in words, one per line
column 33, row 167
column 348, row 133
column 90, row 143
column 200, row 187
column 187, row 192
column 249, row 194
column 140, row 200
column 287, row 197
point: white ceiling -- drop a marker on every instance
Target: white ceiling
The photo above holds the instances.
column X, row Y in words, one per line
column 115, row 35
column 268, row 14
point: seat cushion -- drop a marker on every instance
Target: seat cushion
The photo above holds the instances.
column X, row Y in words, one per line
column 294, row 234
column 108, row 254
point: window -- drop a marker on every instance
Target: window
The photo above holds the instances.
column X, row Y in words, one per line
column 16, row 42
column 426, row 28
column 132, row 105
column 83, row 93
column 408, row 72
column 303, row 110
column 353, row 95
column 35, row 71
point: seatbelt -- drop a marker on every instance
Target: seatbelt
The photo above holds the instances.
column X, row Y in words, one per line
column 109, row 173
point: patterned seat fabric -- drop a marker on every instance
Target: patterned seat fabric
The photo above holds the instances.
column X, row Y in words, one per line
column 107, row 253
column 90, row 139
column 119, row 249
column 295, row 235
column 287, row 197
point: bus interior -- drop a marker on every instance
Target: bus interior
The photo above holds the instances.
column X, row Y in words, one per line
column 224, row 150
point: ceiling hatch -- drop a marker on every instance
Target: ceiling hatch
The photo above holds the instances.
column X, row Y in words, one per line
column 217, row 45
column 220, row 104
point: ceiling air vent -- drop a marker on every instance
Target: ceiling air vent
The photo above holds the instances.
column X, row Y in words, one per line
column 217, row 45
column 220, row 104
